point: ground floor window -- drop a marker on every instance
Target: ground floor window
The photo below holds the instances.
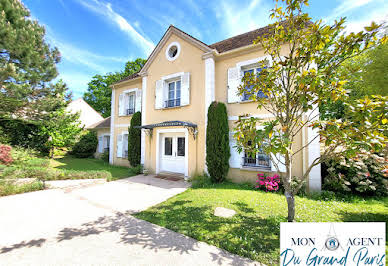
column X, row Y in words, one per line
column 259, row 159
column 125, row 145
column 106, row 143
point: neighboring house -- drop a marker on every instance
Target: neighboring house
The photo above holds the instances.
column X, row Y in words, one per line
column 88, row 116
column 102, row 129
column 174, row 89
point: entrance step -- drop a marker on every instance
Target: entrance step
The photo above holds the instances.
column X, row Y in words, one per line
column 170, row 176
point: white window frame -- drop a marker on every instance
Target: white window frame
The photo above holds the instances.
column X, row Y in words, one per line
column 166, row 81
column 245, row 96
column 175, row 99
column 125, row 144
column 256, row 166
column 169, row 58
column 126, row 95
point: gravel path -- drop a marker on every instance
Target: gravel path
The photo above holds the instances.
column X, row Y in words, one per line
column 92, row 226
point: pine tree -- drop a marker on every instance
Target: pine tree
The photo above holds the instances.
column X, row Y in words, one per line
column 217, row 142
column 27, row 62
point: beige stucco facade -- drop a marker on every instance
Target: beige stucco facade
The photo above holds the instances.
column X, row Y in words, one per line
column 208, row 72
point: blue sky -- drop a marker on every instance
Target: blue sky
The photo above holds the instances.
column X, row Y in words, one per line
column 99, row 36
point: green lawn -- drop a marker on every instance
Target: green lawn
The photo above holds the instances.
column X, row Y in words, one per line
column 254, row 231
column 90, row 164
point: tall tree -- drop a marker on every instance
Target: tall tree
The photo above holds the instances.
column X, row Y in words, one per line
column 217, row 142
column 61, row 127
column 99, row 93
column 27, row 62
column 134, row 140
column 299, row 74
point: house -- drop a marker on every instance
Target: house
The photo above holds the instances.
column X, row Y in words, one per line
column 88, row 116
column 102, row 129
column 174, row 89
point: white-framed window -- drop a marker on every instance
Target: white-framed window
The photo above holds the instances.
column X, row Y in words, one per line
column 173, row 91
column 125, row 145
column 251, row 71
column 173, row 94
column 103, row 143
column 173, row 51
column 236, row 73
column 259, row 159
column 129, row 102
column 106, row 143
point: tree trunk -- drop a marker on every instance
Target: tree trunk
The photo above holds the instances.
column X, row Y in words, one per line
column 291, row 206
column 288, row 189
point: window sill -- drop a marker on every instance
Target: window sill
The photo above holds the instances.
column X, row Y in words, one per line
column 125, row 115
column 256, row 169
column 169, row 108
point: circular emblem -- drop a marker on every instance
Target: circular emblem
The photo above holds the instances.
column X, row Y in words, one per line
column 332, row 243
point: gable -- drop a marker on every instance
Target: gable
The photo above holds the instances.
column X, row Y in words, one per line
column 173, row 33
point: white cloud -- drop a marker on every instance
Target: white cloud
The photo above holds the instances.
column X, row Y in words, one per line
column 106, row 11
column 378, row 15
column 76, row 55
column 235, row 18
column 347, row 6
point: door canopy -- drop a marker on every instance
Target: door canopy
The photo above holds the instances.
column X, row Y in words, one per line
column 192, row 128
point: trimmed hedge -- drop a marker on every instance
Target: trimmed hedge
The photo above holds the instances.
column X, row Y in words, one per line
column 217, row 142
column 134, row 140
column 86, row 146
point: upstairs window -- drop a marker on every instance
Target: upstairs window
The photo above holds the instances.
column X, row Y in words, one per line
column 129, row 102
column 174, row 94
column 247, row 94
column 130, row 97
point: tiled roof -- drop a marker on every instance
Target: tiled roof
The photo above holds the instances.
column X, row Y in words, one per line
column 241, row 40
column 132, row 76
column 102, row 124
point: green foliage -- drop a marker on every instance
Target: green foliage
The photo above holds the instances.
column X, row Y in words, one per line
column 200, row 181
column 86, row 146
column 23, row 133
column 105, row 156
column 136, row 170
column 99, row 93
column 217, row 142
column 134, row 140
column 27, row 62
column 364, row 175
column 366, row 75
column 46, row 174
column 11, row 188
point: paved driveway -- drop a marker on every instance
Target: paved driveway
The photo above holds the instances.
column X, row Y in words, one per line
column 92, row 225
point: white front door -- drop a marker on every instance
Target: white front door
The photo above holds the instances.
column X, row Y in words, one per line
column 173, row 153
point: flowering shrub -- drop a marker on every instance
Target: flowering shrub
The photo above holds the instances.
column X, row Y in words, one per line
column 365, row 174
column 271, row 183
column 5, row 154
